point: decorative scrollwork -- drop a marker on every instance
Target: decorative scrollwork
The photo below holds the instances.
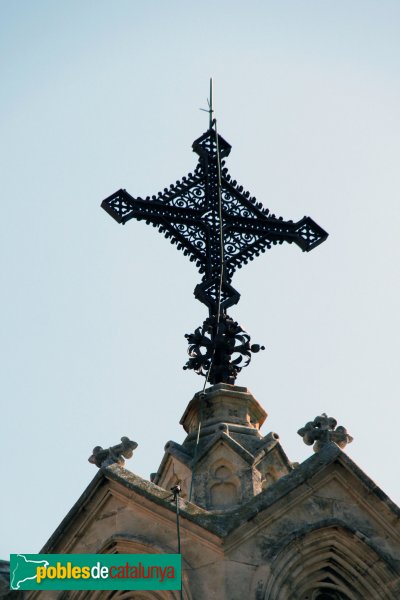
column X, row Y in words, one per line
column 189, row 215
column 192, row 198
column 219, row 350
column 236, row 242
column 233, row 204
column 193, row 235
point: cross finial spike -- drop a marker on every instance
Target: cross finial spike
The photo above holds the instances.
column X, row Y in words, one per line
column 210, row 108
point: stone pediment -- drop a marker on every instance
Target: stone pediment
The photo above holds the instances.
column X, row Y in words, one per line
column 113, row 489
column 328, row 478
column 270, row 531
column 333, row 475
column 222, row 437
column 327, row 503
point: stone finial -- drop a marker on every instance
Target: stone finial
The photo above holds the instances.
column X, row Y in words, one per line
column 115, row 454
column 322, row 431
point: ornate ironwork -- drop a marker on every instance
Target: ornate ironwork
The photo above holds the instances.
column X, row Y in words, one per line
column 190, row 215
column 219, row 349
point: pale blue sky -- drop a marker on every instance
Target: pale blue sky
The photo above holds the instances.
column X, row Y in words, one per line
column 102, row 95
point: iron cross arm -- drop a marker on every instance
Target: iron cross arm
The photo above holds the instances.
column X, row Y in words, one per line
column 188, row 213
column 182, row 224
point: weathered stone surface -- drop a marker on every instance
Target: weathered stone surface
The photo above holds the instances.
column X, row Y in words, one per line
column 323, row 430
column 224, row 460
column 101, row 457
column 257, row 528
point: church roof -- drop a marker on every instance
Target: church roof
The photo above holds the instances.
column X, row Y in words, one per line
column 224, row 524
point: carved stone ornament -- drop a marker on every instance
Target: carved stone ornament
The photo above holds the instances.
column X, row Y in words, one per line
column 102, row 457
column 323, row 431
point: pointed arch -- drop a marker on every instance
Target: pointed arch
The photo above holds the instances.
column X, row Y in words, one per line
column 224, row 485
column 129, row 544
column 331, row 562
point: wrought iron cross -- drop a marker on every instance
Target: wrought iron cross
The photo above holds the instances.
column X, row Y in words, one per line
column 220, row 227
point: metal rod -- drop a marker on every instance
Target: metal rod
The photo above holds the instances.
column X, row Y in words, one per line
column 221, row 277
column 210, row 104
column 176, row 492
column 177, row 522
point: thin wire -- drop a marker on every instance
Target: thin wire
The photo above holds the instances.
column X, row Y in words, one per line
column 221, row 232
column 210, row 104
column 177, row 522
column 213, row 122
column 178, row 535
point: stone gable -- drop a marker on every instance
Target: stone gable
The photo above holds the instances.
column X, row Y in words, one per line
column 318, row 531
